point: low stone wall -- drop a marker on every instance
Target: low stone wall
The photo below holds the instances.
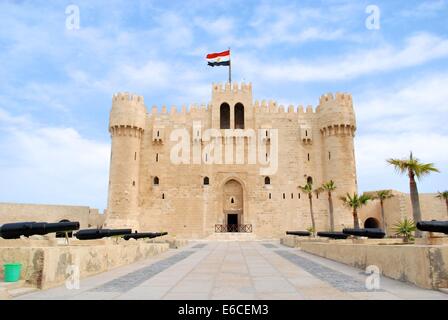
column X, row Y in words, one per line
column 19, row 212
column 45, row 265
column 172, row 242
column 296, row 242
column 422, row 265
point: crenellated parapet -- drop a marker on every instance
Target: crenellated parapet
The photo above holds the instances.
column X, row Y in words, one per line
column 336, row 114
column 128, row 110
column 232, row 88
column 127, row 131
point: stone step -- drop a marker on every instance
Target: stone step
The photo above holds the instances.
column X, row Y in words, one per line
column 21, row 291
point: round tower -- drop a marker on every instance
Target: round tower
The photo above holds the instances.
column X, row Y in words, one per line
column 337, row 127
column 126, row 126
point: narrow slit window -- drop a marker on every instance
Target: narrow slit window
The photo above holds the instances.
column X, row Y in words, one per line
column 270, row 196
column 133, row 183
column 163, row 196
column 267, row 180
column 306, row 133
column 156, row 181
column 206, row 181
column 308, row 157
column 292, row 195
column 298, row 196
column 157, row 157
column 135, row 156
column 329, row 155
column 284, row 196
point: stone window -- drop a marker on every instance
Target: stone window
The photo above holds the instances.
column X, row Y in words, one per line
column 156, row 181
column 292, row 195
column 157, row 157
column 270, row 196
column 298, row 196
column 309, row 180
column 329, row 155
column 239, row 116
column 206, row 181
column 133, row 183
column 308, row 157
column 163, row 196
column 224, row 119
column 135, row 156
column 267, row 180
column 284, row 196
column 232, row 200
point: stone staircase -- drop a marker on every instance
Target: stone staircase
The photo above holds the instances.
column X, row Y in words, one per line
column 11, row 290
column 232, row 236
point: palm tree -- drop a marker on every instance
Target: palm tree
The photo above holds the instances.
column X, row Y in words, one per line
column 329, row 187
column 355, row 202
column 382, row 195
column 413, row 168
column 443, row 196
column 308, row 189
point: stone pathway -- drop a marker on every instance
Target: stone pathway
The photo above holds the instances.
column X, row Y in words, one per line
column 235, row 270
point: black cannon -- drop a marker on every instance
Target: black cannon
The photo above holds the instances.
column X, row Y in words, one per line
column 299, row 233
column 92, row 234
column 433, row 226
column 142, row 235
column 332, row 235
column 17, row 229
column 374, row 233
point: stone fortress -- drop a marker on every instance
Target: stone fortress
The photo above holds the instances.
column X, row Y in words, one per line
column 147, row 191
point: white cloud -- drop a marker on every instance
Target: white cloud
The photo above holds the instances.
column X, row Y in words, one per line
column 49, row 164
column 418, row 49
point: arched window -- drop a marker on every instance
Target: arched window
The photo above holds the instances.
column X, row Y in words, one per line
column 156, row 181
column 309, row 180
column 371, row 223
column 206, row 181
column 239, row 116
column 232, row 200
column 224, row 113
column 267, row 180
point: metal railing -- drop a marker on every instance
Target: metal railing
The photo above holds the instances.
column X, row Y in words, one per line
column 233, row 228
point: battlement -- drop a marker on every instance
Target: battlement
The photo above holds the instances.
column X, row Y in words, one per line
column 343, row 98
column 234, row 87
column 126, row 96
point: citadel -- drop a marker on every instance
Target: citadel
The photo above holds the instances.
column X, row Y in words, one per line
column 151, row 187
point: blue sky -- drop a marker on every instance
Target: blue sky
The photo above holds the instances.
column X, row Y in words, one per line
column 56, row 84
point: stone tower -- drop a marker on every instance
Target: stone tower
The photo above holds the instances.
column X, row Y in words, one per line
column 126, row 126
column 337, row 126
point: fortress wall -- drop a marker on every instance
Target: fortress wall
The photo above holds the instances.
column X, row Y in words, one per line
column 399, row 207
column 190, row 209
column 17, row 212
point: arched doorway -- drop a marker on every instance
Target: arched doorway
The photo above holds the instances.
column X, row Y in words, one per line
column 371, row 223
column 233, row 206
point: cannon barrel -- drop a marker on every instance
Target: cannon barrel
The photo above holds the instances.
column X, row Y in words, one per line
column 374, row 233
column 332, row 235
column 17, row 229
column 299, row 233
column 142, row 235
column 433, row 226
column 92, row 234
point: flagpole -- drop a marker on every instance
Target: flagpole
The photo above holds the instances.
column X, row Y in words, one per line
column 230, row 68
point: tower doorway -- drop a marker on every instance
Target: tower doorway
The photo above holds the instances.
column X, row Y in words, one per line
column 233, row 206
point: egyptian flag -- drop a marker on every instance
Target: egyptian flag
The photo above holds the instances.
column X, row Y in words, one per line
column 219, row 59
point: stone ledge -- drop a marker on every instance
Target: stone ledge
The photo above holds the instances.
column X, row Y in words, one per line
column 424, row 266
column 46, row 266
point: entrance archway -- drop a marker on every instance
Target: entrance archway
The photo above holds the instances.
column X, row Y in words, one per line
column 233, row 206
column 371, row 223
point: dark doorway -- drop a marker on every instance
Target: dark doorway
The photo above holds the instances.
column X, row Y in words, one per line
column 371, row 223
column 232, row 222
